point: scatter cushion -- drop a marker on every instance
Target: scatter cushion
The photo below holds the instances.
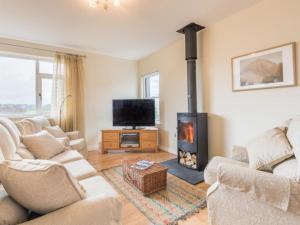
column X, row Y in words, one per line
column 293, row 135
column 56, row 131
column 11, row 212
column 43, row 145
column 39, row 122
column 268, row 149
column 41, row 186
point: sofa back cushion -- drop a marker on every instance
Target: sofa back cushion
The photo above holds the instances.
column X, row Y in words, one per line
column 41, row 186
column 287, row 168
column 39, row 123
column 12, row 129
column 7, row 144
column 293, row 135
column 43, row 145
column 268, row 149
column 11, row 212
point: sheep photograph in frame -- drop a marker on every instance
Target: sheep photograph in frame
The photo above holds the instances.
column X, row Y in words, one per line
column 269, row 68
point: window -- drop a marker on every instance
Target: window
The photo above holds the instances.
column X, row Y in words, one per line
column 25, row 85
column 151, row 90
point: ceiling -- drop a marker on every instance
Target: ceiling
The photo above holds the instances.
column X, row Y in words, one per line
column 132, row 31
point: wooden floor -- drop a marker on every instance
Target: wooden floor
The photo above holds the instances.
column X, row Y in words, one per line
column 131, row 215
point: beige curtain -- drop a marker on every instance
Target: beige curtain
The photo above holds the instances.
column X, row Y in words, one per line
column 67, row 94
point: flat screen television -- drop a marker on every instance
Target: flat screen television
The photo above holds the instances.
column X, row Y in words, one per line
column 134, row 112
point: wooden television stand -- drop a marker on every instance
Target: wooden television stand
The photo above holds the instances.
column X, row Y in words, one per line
column 129, row 140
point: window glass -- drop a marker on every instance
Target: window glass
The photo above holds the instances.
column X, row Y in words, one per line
column 17, row 86
column 151, row 90
column 46, row 67
column 46, row 94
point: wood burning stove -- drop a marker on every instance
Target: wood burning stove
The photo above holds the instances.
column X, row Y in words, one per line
column 192, row 136
column 192, row 140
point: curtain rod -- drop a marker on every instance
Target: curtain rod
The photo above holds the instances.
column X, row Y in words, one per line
column 41, row 49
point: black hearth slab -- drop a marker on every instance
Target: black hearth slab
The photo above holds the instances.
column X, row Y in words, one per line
column 191, row 176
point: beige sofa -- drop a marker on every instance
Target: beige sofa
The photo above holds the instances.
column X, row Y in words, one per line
column 243, row 196
column 100, row 207
column 37, row 124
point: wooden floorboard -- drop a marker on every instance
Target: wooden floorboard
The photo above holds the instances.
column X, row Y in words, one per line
column 131, row 215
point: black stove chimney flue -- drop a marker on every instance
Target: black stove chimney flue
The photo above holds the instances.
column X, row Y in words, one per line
column 190, row 32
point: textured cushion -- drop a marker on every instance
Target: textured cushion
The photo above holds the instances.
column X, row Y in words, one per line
column 43, row 145
column 56, row 131
column 67, row 156
column 210, row 172
column 41, row 186
column 268, row 149
column 293, row 135
column 78, row 144
column 7, row 144
column 288, row 169
column 12, row 129
column 80, row 169
column 11, row 212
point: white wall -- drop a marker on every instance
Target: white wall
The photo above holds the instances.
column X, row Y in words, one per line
column 234, row 117
column 106, row 78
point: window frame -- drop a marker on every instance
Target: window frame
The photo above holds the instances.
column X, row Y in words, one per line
column 146, row 92
column 38, row 82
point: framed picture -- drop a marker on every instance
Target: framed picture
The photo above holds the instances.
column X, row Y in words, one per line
column 270, row 68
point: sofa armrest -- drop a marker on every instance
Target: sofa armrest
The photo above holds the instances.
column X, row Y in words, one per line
column 240, row 153
column 73, row 135
column 98, row 210
column 276, row 191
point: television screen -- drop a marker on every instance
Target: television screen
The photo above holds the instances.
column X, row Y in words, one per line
column 134, row 112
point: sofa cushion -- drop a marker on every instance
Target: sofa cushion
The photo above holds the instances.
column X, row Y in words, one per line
column 288, row 169
column 11, row 212
column 43, row 145
column 24, row 152
column 12, row 129
column 78, row 144
column 39, row 123
column 56, row 131
column 293, row 135
column 210, row 172
column 41, row 186
column 268, row 149
column 7, row 144
column 80, row 169
column 67, row 156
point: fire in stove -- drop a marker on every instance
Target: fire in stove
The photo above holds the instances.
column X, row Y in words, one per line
column 186, row 132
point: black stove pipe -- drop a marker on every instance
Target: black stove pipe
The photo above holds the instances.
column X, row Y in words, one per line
column 190, row 32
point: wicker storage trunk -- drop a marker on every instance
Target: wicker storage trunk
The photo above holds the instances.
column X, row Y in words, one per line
column 147, row 181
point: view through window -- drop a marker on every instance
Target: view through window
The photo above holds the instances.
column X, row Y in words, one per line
column 151, row 90
column 26, row 85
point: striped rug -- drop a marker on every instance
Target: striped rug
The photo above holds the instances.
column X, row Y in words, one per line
column 179, row 201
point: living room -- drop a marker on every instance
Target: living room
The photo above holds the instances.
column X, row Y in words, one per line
column 174, row 112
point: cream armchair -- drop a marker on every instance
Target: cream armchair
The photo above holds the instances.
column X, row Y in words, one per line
column 243, row 196
column 37, row 124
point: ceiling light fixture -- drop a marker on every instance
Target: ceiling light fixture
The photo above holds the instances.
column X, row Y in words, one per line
column 105, row 3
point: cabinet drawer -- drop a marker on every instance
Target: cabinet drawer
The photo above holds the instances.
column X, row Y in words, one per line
column 110, row 136
column 110, row 145
column 149, row 136
column 148, row 145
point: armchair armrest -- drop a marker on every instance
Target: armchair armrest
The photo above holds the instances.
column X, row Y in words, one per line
column 276, row 191
column 73, row 135
column 240, row 153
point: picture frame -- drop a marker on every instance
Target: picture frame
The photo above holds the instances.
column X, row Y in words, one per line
column 269, row 68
